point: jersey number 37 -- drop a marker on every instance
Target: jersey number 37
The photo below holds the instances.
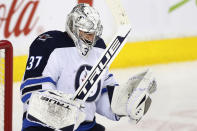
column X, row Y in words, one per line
column 33, row 62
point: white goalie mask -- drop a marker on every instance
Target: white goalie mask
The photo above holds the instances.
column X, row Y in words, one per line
column 84, row 27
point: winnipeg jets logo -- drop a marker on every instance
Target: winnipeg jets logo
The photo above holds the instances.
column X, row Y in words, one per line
column 81, row 75
column 44, row 37
column 85, row 75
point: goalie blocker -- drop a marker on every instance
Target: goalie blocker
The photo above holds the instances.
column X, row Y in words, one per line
column 55, row 110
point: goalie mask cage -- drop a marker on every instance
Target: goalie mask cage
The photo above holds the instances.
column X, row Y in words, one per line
column 6, row 83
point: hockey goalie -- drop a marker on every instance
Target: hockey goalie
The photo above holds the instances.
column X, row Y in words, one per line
column 59, row 62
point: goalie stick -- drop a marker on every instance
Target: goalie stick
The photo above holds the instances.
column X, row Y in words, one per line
column 110, row 52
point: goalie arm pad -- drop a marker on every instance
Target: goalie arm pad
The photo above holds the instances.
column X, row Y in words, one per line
column 55, row 109
column 132, row 98
column 103, row 105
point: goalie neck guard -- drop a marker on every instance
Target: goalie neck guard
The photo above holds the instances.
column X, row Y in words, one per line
column 84, row 27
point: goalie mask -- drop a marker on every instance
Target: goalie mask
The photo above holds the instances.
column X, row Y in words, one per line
column 84, row 27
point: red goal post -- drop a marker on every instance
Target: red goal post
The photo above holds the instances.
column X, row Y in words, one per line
column 90, row 2
column 6, row 63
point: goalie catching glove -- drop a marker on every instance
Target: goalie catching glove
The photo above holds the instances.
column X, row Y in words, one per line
column 132, row 98
column 55, row 109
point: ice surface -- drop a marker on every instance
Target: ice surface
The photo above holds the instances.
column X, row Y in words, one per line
column 174, row 106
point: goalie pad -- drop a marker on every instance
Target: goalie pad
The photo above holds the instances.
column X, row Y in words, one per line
column 55, row 109
column 132, row 98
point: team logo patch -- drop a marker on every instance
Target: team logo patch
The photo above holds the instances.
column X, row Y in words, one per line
column 80, row 77
column 44, row 37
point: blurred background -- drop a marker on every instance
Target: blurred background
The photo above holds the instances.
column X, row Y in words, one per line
column 163, row 38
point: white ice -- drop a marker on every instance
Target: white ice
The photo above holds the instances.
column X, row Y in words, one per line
column 174, row 106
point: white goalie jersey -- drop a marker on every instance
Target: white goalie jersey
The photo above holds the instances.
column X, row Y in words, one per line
column 55, row 63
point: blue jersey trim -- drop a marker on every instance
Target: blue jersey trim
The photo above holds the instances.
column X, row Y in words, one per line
column 30, row 82
column 26, row 97
column 36, row 81
column 103, row 90
column 116, row 84
column 86, row 127
column 110, row 75
column 27, row 124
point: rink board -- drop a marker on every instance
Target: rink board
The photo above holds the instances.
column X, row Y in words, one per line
column 139, row 54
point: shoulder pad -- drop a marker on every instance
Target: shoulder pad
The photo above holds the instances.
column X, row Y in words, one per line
column 53, row 39
column 100, row 43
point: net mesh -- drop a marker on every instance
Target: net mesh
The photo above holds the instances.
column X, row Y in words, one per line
column 2, row 87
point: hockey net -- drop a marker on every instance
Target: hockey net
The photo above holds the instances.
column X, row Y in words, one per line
column 6, row 82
